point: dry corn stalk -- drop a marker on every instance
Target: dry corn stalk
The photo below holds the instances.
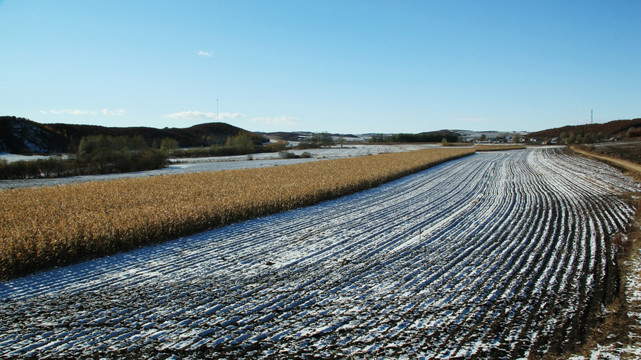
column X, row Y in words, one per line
column 52, row 226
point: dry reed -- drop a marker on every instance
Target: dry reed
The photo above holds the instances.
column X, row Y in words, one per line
column 53, row 226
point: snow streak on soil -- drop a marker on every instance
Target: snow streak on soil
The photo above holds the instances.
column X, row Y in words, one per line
column 493, row 255
column 632, row 348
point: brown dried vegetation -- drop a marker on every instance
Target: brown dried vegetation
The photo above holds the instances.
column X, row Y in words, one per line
column 53, row 226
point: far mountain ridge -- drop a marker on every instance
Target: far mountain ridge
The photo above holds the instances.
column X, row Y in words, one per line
column 24, row 136
column 615, row 128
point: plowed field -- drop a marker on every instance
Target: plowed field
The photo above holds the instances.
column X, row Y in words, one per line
column 502, row 254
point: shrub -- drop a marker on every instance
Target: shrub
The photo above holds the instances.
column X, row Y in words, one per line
column 633, row 132
column 241, row 143
column 106, row 154
column 168, row 144
column 287, row 155
column 317, row 140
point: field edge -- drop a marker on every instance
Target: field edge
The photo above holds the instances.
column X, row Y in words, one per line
column 614, row 326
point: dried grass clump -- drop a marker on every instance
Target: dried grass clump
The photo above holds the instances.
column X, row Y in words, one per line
column 52, row 226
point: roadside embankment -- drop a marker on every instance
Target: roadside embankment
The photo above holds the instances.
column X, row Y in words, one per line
column 619, row 334
column 630, row 166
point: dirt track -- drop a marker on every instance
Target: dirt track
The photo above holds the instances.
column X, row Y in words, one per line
column 625, row 164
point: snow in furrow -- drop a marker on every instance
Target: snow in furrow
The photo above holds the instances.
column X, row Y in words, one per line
column 493, row 255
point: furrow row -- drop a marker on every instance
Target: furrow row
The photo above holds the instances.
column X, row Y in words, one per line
column 494, row 255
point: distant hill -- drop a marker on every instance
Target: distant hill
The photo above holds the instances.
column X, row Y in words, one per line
column 287, row 136
column 23, row 136
column 616, row 128
column 429, row 136
column 303, row 135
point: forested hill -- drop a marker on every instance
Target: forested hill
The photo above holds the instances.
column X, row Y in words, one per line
column 19, row 135
column 616, row 128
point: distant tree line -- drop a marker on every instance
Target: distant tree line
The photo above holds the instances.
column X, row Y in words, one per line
column 102, row 154
column 40, row 168
column 317, row 140
column 106, row 154
column 581, row 138
column 244, row 144
column 97, row 154
column 410, row 138
column 241, row 144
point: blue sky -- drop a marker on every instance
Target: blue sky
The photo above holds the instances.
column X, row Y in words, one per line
column 337, row 66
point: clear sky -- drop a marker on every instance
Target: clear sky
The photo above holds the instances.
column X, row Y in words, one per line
column 339, row 66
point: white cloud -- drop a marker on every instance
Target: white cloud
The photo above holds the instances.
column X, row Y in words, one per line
column 200, row 115
column 107, row 112
column 472, row 120
column 205, row 53
column 68, row 112
column 277, row 121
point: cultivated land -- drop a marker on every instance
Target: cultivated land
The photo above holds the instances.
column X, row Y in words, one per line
column 619, row 335
column 53, row 226
column 220, row 163
column 501, row 254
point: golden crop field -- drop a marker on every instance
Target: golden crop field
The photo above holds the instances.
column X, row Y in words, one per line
column 52, row 226
column 498, row 147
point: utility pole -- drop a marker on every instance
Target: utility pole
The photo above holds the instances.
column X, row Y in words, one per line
column 591, row 116
column 216, row 109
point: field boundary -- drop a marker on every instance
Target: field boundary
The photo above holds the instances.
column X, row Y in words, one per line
column 620, row 163
column 617, row 332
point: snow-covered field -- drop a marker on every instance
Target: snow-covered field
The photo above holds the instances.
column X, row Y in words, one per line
column 632, row 348
column 17, row 157
column 493, row 255
column 191, row 165
column 333, row 152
